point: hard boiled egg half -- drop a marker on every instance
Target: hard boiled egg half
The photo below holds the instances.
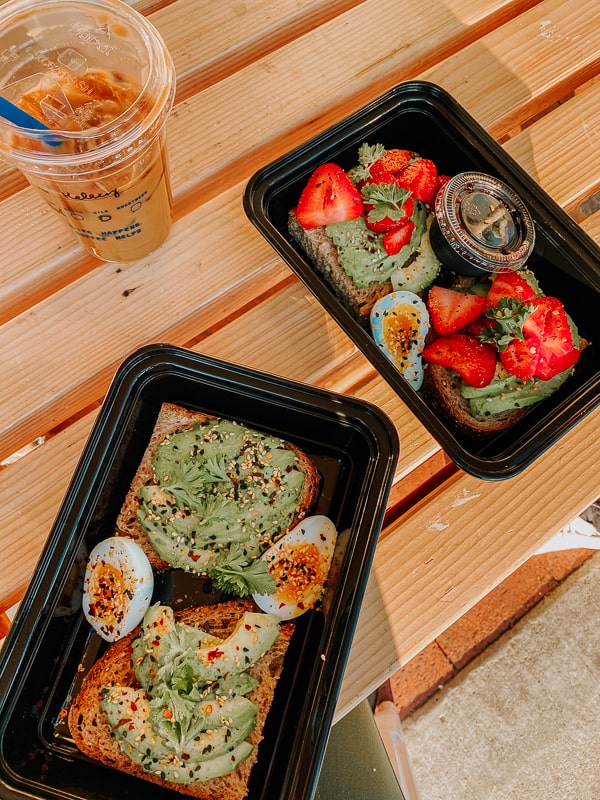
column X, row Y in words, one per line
column 117, row 587
column 299, row 562
column 400, row 323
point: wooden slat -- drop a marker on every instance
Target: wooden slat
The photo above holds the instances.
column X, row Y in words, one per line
column 519, row 71
column 557, row 151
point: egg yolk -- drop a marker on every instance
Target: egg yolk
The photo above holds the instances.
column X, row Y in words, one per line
column 401, row 332
column 108, row 594
column 300, row 574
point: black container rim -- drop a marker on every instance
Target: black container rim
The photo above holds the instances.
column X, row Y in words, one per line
column 139, row 370
column 473, row 457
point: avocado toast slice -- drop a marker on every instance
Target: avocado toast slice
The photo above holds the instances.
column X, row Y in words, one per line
column 212, row 494
column 115, row 693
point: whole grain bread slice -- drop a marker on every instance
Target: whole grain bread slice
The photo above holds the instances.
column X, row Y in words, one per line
column 90, row 730
column 322, row 253
column 441, row 388
column 172, row 419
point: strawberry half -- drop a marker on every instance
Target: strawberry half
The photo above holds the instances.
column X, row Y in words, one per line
column 521, row 357
column 328, row 197
column 509, row 284
column 451, row 311
column 398, row 237
column 420, row 178
column 392, row 162
column 548, row 323
column 474, row 361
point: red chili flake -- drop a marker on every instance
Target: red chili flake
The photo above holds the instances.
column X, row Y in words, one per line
column 167, row 713
column 212, row 655
column 123, row 721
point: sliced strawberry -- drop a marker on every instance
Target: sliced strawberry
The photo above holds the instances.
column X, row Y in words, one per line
column 549, row 367
column 509, row 284
column 420, row 178
column 392, row 162
column 474, row 361
column 451, row 311
column 329, row 197
column 379, row 224
column 548, row 322
column 521, row 357
column 480, row 325
column 548, row 319
column 399, row 237
column 535, row 323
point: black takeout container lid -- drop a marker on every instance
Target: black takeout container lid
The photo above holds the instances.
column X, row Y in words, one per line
column 421, row 116
column 355, row 447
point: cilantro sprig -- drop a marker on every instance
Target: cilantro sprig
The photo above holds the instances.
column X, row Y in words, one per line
column 386, row 200
column 508, row 317
column 236, row 574
column 367, row 156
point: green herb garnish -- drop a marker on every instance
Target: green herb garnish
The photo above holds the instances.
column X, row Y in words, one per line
column 367, row 156
column 236, row 574
column 508, row 317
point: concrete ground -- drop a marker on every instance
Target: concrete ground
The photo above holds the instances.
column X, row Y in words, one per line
column 519, row 718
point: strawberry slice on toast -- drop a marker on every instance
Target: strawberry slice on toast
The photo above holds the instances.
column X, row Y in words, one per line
column 509, row 284
column 451, row 311
column 420, row 177
column 473, row 360
column 328, row 197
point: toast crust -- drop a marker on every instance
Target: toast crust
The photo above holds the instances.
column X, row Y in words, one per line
column 441, row 388
column 172, row 419
column 90, row 730
column 321, row 250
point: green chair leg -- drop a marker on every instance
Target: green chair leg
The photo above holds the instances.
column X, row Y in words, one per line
column 356, row 765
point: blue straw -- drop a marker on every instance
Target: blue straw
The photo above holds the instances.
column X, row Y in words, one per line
column 22, row 119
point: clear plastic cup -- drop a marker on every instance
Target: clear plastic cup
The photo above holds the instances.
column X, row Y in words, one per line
column 98, row 74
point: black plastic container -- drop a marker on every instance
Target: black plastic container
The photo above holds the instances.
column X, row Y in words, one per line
column 355, row 447
column 421, row 116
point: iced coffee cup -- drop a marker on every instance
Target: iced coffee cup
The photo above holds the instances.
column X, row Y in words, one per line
column 99, row 78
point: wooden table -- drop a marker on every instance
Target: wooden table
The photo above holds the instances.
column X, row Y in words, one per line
column 254, row 80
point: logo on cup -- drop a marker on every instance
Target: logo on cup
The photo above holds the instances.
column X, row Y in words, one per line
column 100, row 37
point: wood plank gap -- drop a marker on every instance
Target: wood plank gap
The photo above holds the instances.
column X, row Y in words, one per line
column 239, row 311
column 415, row 487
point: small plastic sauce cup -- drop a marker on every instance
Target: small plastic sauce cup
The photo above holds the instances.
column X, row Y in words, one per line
column 481, row 226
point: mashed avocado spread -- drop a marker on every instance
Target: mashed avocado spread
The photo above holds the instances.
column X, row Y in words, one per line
column 190, row 719
column 361, row 253
column 219, row 486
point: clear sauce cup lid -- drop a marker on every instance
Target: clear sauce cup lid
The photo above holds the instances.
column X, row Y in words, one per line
column 481, row 225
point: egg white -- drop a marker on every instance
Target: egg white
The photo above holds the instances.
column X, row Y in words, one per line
column 317, row 530
column 117, row 588
column 410, row 306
